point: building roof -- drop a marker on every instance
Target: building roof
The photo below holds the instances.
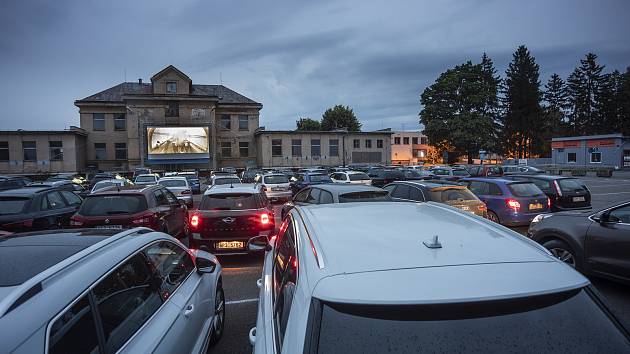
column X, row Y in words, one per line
column 322, row 132
column 72, row 130
column 591, row 137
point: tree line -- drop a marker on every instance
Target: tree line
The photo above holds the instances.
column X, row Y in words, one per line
column 471, row 108
column 337, row 117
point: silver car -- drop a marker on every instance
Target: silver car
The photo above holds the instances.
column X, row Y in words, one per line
column 146, row 180
column 99, row 291
column 276, row 186
column 180, row 187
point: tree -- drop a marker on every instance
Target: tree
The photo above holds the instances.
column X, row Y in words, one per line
column 339, row 117
column 623, row 100
column 584, row 87
column 308, row 124
column 555, row 108
column 455, row 110
column 523, row 121
column 608, row 108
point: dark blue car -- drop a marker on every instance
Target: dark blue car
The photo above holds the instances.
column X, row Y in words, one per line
column 511, row 203
column 302, row 180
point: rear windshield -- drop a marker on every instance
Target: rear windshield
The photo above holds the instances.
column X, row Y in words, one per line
column 451, row 195
column 228, row 201
column 220, row 181
column 358, row 177
column 460, row 172
column 102, row 185
column 524, row 189
column 12, row 205
column 391, row 174
column 568, row 322
column 276, row 179
column 100, row 205
column 172, row 183
column 441, row 172
column 145, row 179
column 367, row 196
column 571, row 184
column 320, row 178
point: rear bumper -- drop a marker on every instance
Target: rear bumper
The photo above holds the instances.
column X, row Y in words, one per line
column 188, row 199
column 279, row 195
column 209, row 244
column 519, row 219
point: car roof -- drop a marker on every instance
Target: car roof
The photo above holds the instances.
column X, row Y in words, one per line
column 25, row 191
column 541, row 176
column 225, row 176
column 129, row 189
column 430, row 183
column 111, row 180
column 339, row 188
column 234, row 188
column 493, row 179
column 477, row 258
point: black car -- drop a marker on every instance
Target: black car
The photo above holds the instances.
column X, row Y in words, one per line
column 381, row 177
column 565, row 193
column 36, row 208
column 595, row 243
column 7, row 182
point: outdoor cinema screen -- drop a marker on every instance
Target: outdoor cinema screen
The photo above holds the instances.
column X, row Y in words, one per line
column 177, row 142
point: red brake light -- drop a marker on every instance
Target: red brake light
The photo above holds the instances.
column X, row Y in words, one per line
column 194, row 221
column 74, row 221
column 144, row 219
column 264, row 189
column 513, row 204
column 549, row 203
column 264, row 218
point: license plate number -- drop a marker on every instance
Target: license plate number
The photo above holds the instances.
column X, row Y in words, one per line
column 534, row 206
column 109, row 227
column 277, row 189
column 229, row 245
column 579, row 199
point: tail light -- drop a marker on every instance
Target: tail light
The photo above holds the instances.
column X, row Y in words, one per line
column 557, row 187
column 548, row 203
column 145, row 219
column 186, row 192
column 513, row 204
column 75, row 221
column 264, row 219
column 482, row 207
column 195, row 221
column 28, row 223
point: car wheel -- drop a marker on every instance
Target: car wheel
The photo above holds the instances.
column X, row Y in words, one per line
column 492, row 216
column 563, row 252
column 219, row 317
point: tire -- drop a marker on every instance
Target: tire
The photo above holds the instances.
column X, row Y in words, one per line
column 563, row 252
column 219, row 321
column 492, row 216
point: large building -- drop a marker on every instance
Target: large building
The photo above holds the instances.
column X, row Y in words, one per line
column 409, row 148
column 594, row 150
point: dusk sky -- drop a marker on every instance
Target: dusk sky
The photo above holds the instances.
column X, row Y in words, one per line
column 295, row 57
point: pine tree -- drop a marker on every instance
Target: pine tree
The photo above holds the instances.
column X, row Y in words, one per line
column 492, row 83
column 623, row 100
column 556, row 104
column 608, row 105
column 584, row 87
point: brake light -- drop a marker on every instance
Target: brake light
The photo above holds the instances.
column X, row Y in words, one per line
column 513, row 204
column 264, row 219
column 187, row 191
column 482, row 207
column 143, row 219
column 548, row 203
column 74, row 221
column 194, row 221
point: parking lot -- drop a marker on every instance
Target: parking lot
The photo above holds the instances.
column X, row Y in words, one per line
column 240, row 275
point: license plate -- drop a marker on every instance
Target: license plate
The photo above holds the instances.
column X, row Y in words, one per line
column 109, row 227
column 465, row 208
column 579, row 199
column 277, row 189
column 534, row 206
column 229, row 245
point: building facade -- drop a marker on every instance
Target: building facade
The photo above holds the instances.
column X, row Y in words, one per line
column 31, row 152
column 594, row 150
column 409, row 148
column 322, row 148
column 124, row 123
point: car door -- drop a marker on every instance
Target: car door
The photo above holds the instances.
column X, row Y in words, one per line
column 179, row 213
column 54, row 212
column 608, row 243
column 285, row 280
column 164, row 210
column 416, row 194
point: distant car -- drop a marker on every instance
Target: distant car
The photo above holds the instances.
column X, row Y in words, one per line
column 565, row 193
column 449, row 173
column 410, row 278
column 485, row 171
column 352, row 177
column 596, row 243
column 146, row 180
column 230, row 170
column 100, row 177
column 225, row 179
column 335, row 193
column 249, row 176
column 8, row 182
column 141, row 171
column 338, row 169
column 524, row 170
column 109, row 183
column 413, row 175
column 193, row 181
column 452, row 194
column 276, row 186
column 179, row 187
column 381, row 177
column 153, row 206
column 302, row 180
column 35, row 208
column 228, row 218
column 510, row 203
column 103, row 291
column 313, row 170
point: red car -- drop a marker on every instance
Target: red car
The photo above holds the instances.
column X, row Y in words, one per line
column 153, row 206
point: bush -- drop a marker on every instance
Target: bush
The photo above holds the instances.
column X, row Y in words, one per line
column 578, row 172
column 604, row 172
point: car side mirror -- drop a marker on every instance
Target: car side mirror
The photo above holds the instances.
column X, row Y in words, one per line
column 603, row 217
column 259, row 243
column 204, row 265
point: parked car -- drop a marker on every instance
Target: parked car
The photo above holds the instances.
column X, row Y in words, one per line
column 141, row 171
column 276, row 186
column 413, row 175
column 381, row 177
column 511, row 203
column 146, row 180
column 193, row 181
column 153, row 206
column 228, row 218
column 523, row 170
column 33, row 208
column 565, row 193
column 229, row 170
column 452, row 194
column 106, row 183
column 352, row 177
column 248, row 176
column 485, row 171
column 302, row 180
column 595, row 243
column 224, row 179
column 449, row 173
column 100, row 177
column 9, row 182
column 105, row 291
column 403, row 278
column 335, row 193
column 179, row 187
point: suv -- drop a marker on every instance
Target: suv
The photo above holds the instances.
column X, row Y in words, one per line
column 381, row 177
column 193, row 180
column 449, row 173
column 228, row 217
column 406, row 277
column 276, row 186
column 565, row 193
column 154, row 207
column 102, row 291
column 34, row 208
column 302, row 180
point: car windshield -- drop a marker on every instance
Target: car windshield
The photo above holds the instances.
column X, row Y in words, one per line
column 411, row 174
column 101, row 205
column 366, row 196
column 221, row 181
column 145, row 179
column 566, row 322
column 524, row 189
column 276, row 179
column 460, row 172
column 228, row 201
column 358, row 177
column 320, row 178
column 12, row 205
column 571, row 184
column 451, row 195
column 172, row 183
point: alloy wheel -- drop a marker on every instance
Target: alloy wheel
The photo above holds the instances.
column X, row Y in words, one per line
column 219, row 317
column 563, row 255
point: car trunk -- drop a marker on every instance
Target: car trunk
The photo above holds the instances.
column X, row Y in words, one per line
column 472, row 206
column 230, row 230
column 113, row 221
column 179, row 190
column 573, row 193
column 277, row 187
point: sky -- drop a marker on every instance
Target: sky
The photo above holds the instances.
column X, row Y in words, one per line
column 297, row 58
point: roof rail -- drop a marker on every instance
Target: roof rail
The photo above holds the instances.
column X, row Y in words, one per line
column 318, row 255
column 6, row 304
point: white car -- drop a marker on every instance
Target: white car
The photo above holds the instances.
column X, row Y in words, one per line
column 354, row 177
column 146, row 180
column 180, row 187
column 420, row 277
column 108, row 183
column 224, row 179
column 276, row 186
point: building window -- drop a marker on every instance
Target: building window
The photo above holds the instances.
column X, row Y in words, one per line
column 276, row 147
column 56, row 150
column 406, row 140
column 225, row 122
column 368, row 143
column 226, row 149
column 596, row 157
column 100, row 151
column 120, row 122
column 356, row 143
column 173, row 109
column 4, row 151
column 121, row 151
column 414, row 140
column 243, row 122
column 171, row 87
column 571, row 157
column 296, row 147
column 316, row 148
column 333, row 148
column 98, row 121
column 379, row 143
column 397, row 140
column 424, row 140
column 30, row 150
column 243, row 148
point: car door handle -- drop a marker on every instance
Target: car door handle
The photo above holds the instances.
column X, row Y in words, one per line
column 259, row 283
column 189, row 310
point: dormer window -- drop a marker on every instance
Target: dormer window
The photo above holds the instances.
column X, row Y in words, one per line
column 171, row 87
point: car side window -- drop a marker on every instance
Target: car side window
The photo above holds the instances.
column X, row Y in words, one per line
column 401, row 192
column 479, row 188
column 543, row 185
column 52, row 200
column 302, row 196
column 494, row 189
column 313, row 197
column 415, row 194
column 71, row 198
column 325, row 197
column 170, row 197
column 126, row 299
column 621, row 215
column 390, row 188
column 171, row 265
column 160, row 198
column 284, row 280
column 74, row 331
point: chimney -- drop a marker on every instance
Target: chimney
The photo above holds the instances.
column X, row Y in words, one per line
column 140, row 81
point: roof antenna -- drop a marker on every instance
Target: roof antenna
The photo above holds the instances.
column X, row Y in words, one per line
column 231, row 184
column 434, row 243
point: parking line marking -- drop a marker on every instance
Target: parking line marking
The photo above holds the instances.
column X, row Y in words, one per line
column 610, row 193
column 240, row 301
